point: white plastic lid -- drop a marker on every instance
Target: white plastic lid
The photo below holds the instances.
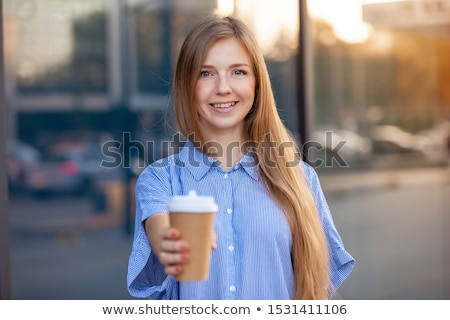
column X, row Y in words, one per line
column 192, row 203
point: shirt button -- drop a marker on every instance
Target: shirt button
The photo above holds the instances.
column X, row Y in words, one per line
column 231, row 247
column 225, row 175
column 232, row 288
column 229, row 210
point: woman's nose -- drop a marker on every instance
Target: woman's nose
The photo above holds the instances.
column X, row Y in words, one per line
column 223, row 85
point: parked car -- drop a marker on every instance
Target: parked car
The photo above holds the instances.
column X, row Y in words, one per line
column 70, row 170
column 435, row 142
column 389, row 139
column 342, row 144
column 22, row 158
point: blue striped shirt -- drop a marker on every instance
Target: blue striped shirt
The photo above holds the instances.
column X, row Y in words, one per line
column 252, row 260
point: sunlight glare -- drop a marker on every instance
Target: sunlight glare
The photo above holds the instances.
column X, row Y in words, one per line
column 275, row 24
column 345, row 16
column 225, row 7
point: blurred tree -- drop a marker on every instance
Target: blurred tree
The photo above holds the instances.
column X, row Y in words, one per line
column 416, row 79
column 443, row 69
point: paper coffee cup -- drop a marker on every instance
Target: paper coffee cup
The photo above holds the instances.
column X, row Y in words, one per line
column 193, row 216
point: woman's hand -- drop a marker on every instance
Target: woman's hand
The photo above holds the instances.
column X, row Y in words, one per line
column 173, row 252
column 166, row 243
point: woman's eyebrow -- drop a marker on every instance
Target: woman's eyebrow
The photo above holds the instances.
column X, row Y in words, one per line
column 234, row 65
column 240, row 65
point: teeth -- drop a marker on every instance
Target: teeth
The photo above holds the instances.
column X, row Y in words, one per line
column 223, row 105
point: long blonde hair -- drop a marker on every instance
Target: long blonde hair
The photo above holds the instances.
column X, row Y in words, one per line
column 263, row 127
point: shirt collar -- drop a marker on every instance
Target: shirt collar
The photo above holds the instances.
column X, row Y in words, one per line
column 250, row 164
column 195, row 161
column 199, row 164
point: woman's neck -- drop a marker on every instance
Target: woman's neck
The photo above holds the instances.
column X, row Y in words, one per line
column 227, row 149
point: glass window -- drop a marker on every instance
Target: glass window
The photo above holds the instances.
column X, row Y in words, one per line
column 60, row 46
column 154, row 65
column 379, row 82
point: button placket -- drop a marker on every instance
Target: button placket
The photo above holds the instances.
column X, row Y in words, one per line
column 228, row 179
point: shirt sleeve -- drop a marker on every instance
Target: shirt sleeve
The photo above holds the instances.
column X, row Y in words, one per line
column 146, row 277
column 341, row 262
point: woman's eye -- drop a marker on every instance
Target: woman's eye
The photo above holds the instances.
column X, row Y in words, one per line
column 240, row 72
column 205, row 74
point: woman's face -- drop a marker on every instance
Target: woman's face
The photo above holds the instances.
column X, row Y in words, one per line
column 225, row 89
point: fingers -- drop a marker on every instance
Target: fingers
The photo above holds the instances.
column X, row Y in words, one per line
column 173, row 252
column 173, row 258
column 171, row 242
column 170, row 234
column 174, row 246
column 173, row 261
column 173, row 270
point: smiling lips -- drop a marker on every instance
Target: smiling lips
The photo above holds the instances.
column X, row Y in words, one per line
column 223, row 105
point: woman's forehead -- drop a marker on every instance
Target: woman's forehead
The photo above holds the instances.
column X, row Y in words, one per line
column 228, row 48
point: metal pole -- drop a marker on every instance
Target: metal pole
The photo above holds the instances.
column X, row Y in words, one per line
column 124, row 123
column 305, row 83
column 5, row 282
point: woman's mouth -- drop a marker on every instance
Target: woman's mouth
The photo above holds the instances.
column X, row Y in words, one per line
column 223, row 105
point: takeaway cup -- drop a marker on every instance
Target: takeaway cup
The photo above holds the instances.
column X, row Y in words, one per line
column 193, row 216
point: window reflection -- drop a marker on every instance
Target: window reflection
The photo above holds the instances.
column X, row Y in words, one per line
column 380, row 77
column 153, row 48
column 62, row 46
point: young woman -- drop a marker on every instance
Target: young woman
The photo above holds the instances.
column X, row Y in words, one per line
column 275, row 237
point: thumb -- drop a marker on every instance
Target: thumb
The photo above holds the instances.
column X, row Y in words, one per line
column 214, row 241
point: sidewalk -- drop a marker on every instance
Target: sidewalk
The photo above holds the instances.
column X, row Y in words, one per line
column 345, row 181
